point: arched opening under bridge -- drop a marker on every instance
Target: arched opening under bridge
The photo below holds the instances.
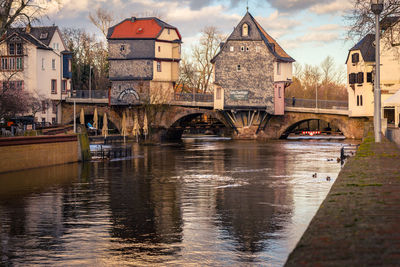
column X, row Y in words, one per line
column 197, row 124
column 313, row 127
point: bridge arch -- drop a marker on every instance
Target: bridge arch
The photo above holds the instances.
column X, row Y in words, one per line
column 113, row 117
column 349, row 128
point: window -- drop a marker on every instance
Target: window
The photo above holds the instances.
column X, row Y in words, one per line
column 257, row 49
column 238, row 68
column 355, row 58
column 360, row 77
column 13, row 85
column 279, row 92
column 352, row 78
column 122, row 48
column 219, row 93
column 278, row 68
column 53, row 64
column 4, row 63
column 232, row 49
column 159, row 66
column 245, row 30
column 19, row 63
column 19, row 49
column 44, row 107
column 369, row 77
column 12, row 63
column 361, row 100
column 54, row 86
column 42, row 63
column 64, row 86
column 69, row 65
column 43, row 35
column 53, row 121
column 358, row 100
column 11, row 49
column 242, row 48
column 54, row 108
column 19, row 85
column 169, row 31
column 159, row 48
column 57, row 47
column 247, row 49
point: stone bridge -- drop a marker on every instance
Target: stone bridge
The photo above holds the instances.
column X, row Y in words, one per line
column 247, row 124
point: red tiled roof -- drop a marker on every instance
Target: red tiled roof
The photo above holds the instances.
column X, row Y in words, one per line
column 139, row 28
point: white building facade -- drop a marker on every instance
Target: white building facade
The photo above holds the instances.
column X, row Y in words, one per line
column 35, row 59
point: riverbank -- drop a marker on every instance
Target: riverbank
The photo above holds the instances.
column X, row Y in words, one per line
column 358, row 222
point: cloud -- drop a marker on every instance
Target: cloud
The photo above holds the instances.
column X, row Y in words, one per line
column 334, row 7
column 295, row 5
column 277, row 25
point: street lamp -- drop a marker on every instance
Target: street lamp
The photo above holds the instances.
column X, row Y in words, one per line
column 377, row 8
column 90, row 82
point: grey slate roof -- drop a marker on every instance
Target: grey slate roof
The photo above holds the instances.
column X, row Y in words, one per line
column 38, row 36
column 366, row 47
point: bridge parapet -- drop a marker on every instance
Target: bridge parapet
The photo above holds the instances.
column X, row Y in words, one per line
column 318, row 110
column 316, row 104
column 193, row 100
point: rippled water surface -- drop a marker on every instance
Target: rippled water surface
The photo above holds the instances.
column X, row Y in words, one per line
column 196, row 203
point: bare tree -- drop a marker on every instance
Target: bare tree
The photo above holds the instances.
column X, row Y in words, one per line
column 88, row 52
column 327, row 78
column 102, row 19
column 361, row 20
column 21, row 12
column 197, row 71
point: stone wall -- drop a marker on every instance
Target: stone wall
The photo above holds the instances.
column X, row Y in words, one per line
column 252, row 85
column 393, row 134
column 129, row 92
column 131, row 69
column 131, row 48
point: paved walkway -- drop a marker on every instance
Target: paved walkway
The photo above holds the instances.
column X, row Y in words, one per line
column 358, row 224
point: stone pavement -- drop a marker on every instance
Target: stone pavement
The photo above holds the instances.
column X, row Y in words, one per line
column 358, row 224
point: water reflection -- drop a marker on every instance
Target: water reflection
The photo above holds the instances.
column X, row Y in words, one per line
column 200, row 203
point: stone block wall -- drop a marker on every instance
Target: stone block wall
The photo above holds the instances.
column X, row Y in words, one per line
column 129, row 92
column 255, row 75
column 131, row 49
column 131, row 69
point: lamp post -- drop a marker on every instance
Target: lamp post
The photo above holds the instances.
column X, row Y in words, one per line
column 377, row 8
column 90, row 82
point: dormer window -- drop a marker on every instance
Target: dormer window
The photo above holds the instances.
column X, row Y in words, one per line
column 355, row 58
column 245, row 30
column 140, row 30
column 43, row 35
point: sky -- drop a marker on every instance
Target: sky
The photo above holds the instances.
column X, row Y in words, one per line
column 308, row 30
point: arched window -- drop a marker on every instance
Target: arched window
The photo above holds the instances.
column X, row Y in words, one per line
column 245, row 30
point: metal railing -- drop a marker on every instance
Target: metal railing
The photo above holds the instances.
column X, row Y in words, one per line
column 97, row 94
column 311, row 103
column 186, row 97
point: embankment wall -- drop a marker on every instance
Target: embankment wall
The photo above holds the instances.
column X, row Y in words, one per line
column 19, row 153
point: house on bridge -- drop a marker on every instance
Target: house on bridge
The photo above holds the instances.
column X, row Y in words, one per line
column 144, row 55
column 251, row 70
column 361, row 69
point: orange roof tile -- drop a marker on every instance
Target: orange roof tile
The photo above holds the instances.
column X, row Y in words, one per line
column 137, row 29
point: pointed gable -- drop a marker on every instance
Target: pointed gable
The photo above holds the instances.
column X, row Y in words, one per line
column 257, row 33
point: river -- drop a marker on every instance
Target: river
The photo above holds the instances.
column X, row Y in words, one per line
column 208, row 203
